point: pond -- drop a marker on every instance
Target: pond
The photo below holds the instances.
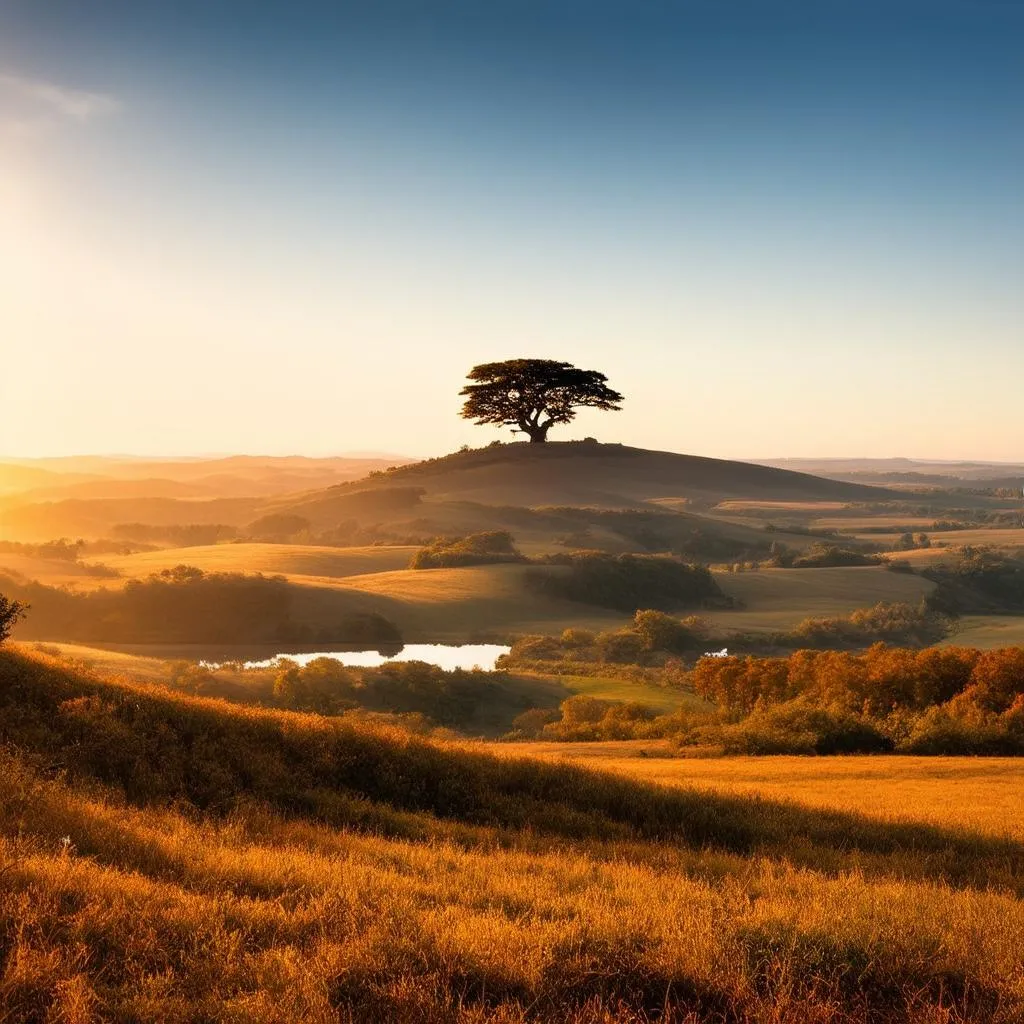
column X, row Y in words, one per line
column 447, row 656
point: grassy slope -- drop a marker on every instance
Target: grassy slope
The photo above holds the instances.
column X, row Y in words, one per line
column 572, row 473
column 988, row 632
column 292, row 560
column 319, row 871
column 780, row 598
column 460, row 604
column 456, row 604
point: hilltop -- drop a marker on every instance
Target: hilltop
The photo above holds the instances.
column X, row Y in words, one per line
column 604, row 475
column 542, row 490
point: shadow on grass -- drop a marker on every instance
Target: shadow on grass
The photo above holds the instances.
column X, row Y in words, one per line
column 158, row 746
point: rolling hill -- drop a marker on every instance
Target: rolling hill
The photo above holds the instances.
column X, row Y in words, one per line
column 506, row 486
column 579, row 473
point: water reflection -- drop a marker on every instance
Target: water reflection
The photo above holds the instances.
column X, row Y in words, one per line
column 447, row 656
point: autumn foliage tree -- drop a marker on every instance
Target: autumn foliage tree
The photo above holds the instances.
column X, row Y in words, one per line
column 533, row 395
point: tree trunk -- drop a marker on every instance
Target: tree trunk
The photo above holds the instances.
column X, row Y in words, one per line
column 538, row 434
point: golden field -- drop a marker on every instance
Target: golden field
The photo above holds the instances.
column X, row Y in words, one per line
column 306, row 561
column 982, row 794
column 168, row 858
column 445, row 604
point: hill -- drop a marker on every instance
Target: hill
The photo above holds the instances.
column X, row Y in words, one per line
column 167, row 858
column 578, row 473
column 87, row 496
column 540, row 492
column 913, row 472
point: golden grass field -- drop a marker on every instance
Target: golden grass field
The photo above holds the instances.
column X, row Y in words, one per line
column 53, row 572
column 293, row 560
column 460, row 604
column 983, row 794
column 195, row 861
column 780, row 598
column 454, row 604
column 987, row 632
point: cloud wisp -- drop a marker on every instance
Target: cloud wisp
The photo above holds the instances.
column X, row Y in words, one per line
column 70, row 104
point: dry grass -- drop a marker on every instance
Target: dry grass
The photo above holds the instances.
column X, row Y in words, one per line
column 778, row 599
column 301, row 562
column 988, row 632
column 982, row 794
column 444, row 604
column 52, row 572
column 709, row 907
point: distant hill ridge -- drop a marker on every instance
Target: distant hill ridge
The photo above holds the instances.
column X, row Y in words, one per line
column 612, row 475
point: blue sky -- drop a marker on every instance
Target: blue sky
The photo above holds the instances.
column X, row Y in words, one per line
column 779, row 228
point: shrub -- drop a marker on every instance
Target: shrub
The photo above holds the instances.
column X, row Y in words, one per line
column 488, row 548
column 620, row 646
column 822, row 556
column 661, row 632
column 530, row 724
column 574, row 638
column 625, row 582
column 892, row 622
column 370, row 629
column 800, row 727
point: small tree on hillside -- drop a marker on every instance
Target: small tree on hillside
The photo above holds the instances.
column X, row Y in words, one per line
column 10, row 613
column 533, row 394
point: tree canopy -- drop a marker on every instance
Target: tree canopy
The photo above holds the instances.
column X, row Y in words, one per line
column 534, row 394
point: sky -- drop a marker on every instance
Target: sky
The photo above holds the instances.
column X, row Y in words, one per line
column 780, row 228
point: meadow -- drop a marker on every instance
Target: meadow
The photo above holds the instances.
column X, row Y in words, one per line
column 983, row 794
column 168, row 858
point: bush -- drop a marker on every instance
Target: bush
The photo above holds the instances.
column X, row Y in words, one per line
column 369, row 629
column 620, row 646
column 891, row 622
column 801, row 727
column 625, row 582
column 575, row 639
column 488, row 548
column 661, row 632
column 823, row 556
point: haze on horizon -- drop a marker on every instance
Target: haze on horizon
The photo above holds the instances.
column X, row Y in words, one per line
column 781, row 229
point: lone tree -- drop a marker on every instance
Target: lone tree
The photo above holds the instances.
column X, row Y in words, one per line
column 533, row 394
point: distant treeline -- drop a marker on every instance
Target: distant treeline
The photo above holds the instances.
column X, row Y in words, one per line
column 655, row 639
column 183, row 536
column 65, row 550
column 185, row 605
column 936, row 701
column 626, row 582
